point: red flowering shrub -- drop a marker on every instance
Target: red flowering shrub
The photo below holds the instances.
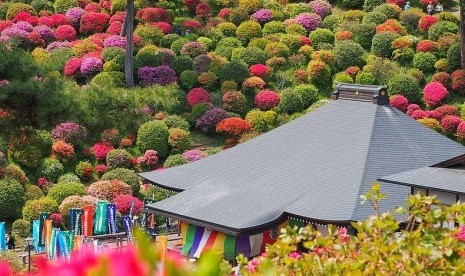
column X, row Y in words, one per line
column 33, row 20
column 101, row 169
column 458, row 81
column 65, row 32
column 59, row 19
column 399, row 3
column 73, row 67
column 123, row 204
column 164, row 26
column 203, row 11
column 197, row 95
column 191, row 24
column 93, row 22
column 304, row 40
column 191, row 4
column 266, row 99
column 109, row 189
column 443, row 78
column 92, row 7
column 450, row 123
column 36, row 39
column 56, row 218
column 224, row 13
column 253, row 82
column 434, row 93
column 5, row 24
column 119, row 16
column 411, row 108
column 353, row 71
column 419, row 114
column 150, row 15
column 233, row 126
column 101, row 150
column 259, row 70
column 115, row 28
column 400, row 102
column 427, row 46
column 62, row 150
column 391, row 25
column 45, row 20
column 234, row 101
column 42, row 182
column 461, row 131
column 426, row 22
column 447, row 110
column 21, row 16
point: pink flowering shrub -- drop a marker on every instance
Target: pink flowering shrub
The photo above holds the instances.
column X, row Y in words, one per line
column 447, row 110
column 310, row 21
column 100, row 169
column 427, row 46
column 197, row 95
column 93, row 22
column 91, row 65
column 266, row 99
column 434, row 93
column 458, row 81
column 400, row 102
column 419, row 114
column 123, row 204
column 101, row 149
column 461, row 137
column 151, row 15
column 73, row 67
column 70, row 132
column 149, row 159
column 74, row 15
column 65, row 32
column 321, row 7
column 262, row 15
column 108, row 189
column 164, row 26
column 59, row 19
column 443, row 78
column 194, row 155
column 411, row 108
column 450, row 123
column 62, row 150
column 259, row 70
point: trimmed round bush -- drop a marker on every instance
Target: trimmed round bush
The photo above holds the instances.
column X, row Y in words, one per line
column 253, row 55
column 118, row 158
column 365, row 78
column 208, row 121
column 33, row 208
column 290, row 101
column 320, row 36
column 21, row 227
column 277, row 49
column 234, row 101
column 273, row 27
column 374, row 18
column 392, row 11
column 262, row 121
column 308, row 93
column 182, row 63
column 363, row 34
column 348, row 53
column 108, row 189
column 33, row 192
column 434, row 93
column 175, row 160
column 454, row 56
column 382, row 44
column 179, row 140
column 398, row 101
column 188, row 79
column 124, row 175
column 60, row 191
column 176, row 121
column 61, row 6
column 76, row 202
column 266, row 99
column 124, row 203
column 153, row 135
column 352, row 4
column 197, row 95
column 424, row 62
column 406, row 85
column 235, row 71
column 248, row 30
column 12, row 199
column 149, row 34
column 441, row 28
column 51, row 169
column 162, row 75
column 370, row 5
column 331, row 22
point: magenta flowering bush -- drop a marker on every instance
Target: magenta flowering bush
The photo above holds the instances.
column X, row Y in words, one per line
column 45, row 32
column 194, row 155
column 101, row 149
column 461, row 137
column 310, row 21
column 91, row 65
column 114, row 41
column 14, row 32
column 321, row 7
column 262, row 16
column 198, row 95
column 411, row 108
column 22, row 25
column 266, row 99
column 74, row 15
column 162, row 75
column 419, row 114
column 58, row 45
column 400, row 102
column 434, row 93
column 208, row 121
column 70, row 132
column 450, row 123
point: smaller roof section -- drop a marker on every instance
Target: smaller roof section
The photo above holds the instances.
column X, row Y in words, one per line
column 439, row 179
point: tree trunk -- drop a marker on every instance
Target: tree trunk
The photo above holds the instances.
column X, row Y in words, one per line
column 129, row 58
column 462, row 33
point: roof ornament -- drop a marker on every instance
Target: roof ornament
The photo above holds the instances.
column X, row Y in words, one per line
column 376, row 94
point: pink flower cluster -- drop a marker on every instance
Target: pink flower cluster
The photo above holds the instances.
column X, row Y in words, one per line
column 149, row 159
column 194, row 155
column 434, row 93
column 310, row 21
column 262, row 16
column 101, row 150
column 259, row 70
column 123, row 204
column 198, row 95
column 321, row 7
column 266, row 99
column 400, row 102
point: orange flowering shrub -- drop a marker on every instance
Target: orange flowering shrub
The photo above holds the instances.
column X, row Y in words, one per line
column 62, row 150
column 391, row 25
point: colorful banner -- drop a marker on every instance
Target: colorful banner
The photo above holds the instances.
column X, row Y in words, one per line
column 229, row 248
column 65, row 243
column 162, row 245
column 36, row 236
column 189, row 239
column 127, row 226
column 87, row 220
column 52, row 248
column 111, row 219
column 100, row 226
column 47, row 234
column 42, row 218
column 75, row 217
column 2, row 237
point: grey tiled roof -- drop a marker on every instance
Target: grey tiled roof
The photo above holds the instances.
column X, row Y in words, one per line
column 440, row 179
column 316, row 167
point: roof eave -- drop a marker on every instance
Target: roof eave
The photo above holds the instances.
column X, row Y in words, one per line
column 419, row 186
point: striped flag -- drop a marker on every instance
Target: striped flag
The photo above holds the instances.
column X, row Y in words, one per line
column 197, row 238
column 190, row 233
column 77, row 243
column 127, row 226
column 65, row 243
column 198, row 247
column 87, row 220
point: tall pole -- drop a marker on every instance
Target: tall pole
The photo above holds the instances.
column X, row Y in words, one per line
column 29, row 258
column 129, row 58
column 462, row 33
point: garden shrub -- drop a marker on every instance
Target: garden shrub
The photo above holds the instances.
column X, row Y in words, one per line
column 426, row 22
column 392, row 11
column 33, row 192
column 84, row 170
column 235, row 71
column 267, row 99
column 109, row 79
column 12, row 199
column 147, row 56
column 320, row 36
column 94, row 23
column 118, row 158
column 290, row 101
column 149, row 34
column 33, row 208
column 128, row 203
column 202, row 63
column 76, row 201
column 234, row 127
column 21, row 227
column 193, row 49
column 310, row 21
column 234, row 101
column 153, row 135
column 182, row 63
column 391, row 25
column 454, row 56
column 448, row 16
column 198, row 95
column 15, row 172
column 352, row 4
column 208, row 121
column 308, row 93
column 179, row 140
column 319, row 73
column 276, row 49
column 248, row 30
column 274, row 27
column 174, row 160
column 382, row 44
column 60, row 191
column 424, row 62
column 405, row 85
column 342, row 77
column 68, row 177
column 348, row 53
column 404, row 56
column 292, row 41
column 168, row 39
column 238, row 15
column 51, row 169
column 351, row 17
column 443, row 78
column 434, row 93
column 108, row 189
column 148, row 160
column 188, row 79
column 162, row 75
column 124, row 175
column 398, row 101
column 176, row 121
column 363, row 34
column 294, row 9
column 411, row 18
column 427, row 46
column 450, row 123
column 321, row 7
column 331, row 22
column 458, row 81
column 441, row 28
column 70, row 132
column 14, row 8
column 42, row 5
column 253, row 55
column 228, row 29
column 262, row 121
